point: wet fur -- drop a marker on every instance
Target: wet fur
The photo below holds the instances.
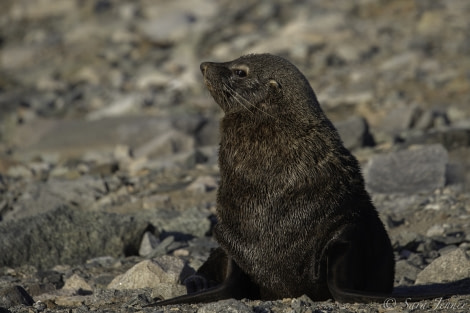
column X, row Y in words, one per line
column 293, row 214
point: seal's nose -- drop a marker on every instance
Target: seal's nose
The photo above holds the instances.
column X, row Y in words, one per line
column 203, row 67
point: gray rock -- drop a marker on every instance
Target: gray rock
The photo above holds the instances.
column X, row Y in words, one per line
column 355, row 132
column 450, row 137
column 68, row 236
column 191, row 221
column 69, row 138
column 12, row 296
column 39, row 306
column 435, row 230
column 162, row 274
column 40, row 197
column 225, row 306
column 447, row 249
column 425, row 121
column 76, row 283
column 299, row 304
column 51, row 277
column 400, row 119
column 405, row 273
column 429, row 248
column 148, row 244
column 452, row 266
column 422, row 169
column 451, row 238
column 407, row 240
column 162, row 247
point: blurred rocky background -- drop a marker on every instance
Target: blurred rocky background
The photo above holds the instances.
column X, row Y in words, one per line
column 108, row 139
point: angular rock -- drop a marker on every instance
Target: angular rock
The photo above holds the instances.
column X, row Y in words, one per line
column 355, row 132
column 68, row 236
column 301, row 302
column 422, row 169
column 162, row 274
column 169, row 244
column 11, row 296
column 453, row 266
column 77, row 283
column 148, row 244
column 400, row 119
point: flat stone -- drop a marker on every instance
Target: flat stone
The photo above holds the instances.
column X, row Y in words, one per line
column 72, row 138
column 422, row 169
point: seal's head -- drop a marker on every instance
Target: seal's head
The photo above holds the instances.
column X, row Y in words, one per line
column 257, row 84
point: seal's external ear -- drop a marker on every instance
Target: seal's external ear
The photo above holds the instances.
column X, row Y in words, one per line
column 273, row 83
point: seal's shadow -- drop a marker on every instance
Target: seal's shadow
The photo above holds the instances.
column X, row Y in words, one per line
column 454, row 288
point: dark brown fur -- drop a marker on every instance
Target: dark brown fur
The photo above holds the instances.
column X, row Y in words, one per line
column 293, row 214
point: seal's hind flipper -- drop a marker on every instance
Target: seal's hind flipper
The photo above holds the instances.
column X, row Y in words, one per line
column 236, row 285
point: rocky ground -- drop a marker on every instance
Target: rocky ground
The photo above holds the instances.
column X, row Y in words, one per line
column 108, row 141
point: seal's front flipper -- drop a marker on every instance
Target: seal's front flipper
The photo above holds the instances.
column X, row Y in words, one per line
column 212, row 273
column 236, row 285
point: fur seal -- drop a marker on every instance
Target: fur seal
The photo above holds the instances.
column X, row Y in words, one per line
column 293, row 214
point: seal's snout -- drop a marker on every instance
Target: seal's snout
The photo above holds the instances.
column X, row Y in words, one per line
column 203, row 67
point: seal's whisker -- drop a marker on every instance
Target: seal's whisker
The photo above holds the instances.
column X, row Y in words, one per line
column 235, row 96
column 238, row 97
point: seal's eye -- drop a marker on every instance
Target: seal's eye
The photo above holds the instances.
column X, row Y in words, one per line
column 239, row 73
